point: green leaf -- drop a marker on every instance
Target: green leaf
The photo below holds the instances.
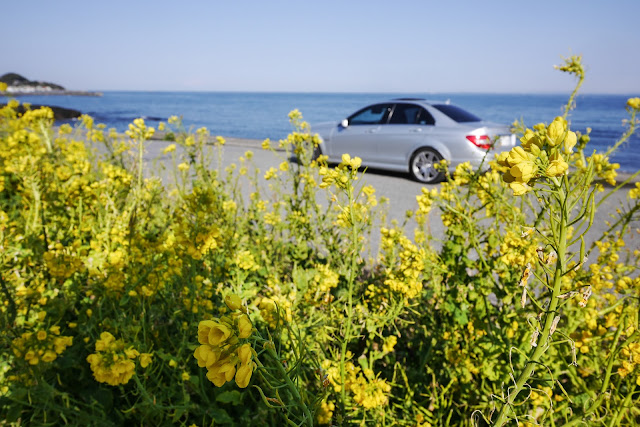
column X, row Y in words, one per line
column 220, row 416
column 13, row 414
column 234, row 397
column 460, row 316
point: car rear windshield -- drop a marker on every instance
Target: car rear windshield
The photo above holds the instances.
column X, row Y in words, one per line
column 456, row 113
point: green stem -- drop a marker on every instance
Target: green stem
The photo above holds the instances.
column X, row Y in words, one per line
column 542, row 346
column 623, row 408
column 348, row 325
column 569, row 105
column 47, row 138
column 282, row 373
column 140, row 158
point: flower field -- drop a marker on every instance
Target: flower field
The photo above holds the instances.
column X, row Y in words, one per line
column 129, row 300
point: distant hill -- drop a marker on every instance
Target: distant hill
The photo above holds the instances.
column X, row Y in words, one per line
column 20, row 85
column 14, row 80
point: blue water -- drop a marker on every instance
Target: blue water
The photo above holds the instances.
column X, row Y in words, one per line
column 264, row 115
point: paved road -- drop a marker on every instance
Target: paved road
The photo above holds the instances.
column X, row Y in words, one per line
column 398, row 188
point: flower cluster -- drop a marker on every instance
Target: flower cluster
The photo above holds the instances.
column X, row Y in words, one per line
column 405, row 275
column 631, row 355
column 138, row 130
column 633, row 103
column 41, row 346
column 112, row 362
column 367, row 389
column 275, row 310
column 540, row 155
column 345, row 172
column 221, row 351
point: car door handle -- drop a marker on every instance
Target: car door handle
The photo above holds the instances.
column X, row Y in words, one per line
column 373, row 130
column 416, row 130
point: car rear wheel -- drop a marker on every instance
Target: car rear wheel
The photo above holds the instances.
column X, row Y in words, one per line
column 422, row 166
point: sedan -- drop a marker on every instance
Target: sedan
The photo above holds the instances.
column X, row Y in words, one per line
column 413, row 135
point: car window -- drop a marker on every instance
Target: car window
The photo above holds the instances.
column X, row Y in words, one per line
column 456, row 113
column 372, row 115
column 425, row 118
column 410, row 114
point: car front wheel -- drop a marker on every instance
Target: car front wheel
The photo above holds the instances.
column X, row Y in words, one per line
column 422, row 166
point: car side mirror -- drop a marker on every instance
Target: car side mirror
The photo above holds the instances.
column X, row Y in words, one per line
column 344, row 123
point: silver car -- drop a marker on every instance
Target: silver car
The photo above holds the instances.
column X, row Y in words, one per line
column 412, row 135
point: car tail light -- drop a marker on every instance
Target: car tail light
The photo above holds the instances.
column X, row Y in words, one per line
column 480, row 141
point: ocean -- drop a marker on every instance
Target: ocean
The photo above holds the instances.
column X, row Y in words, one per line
column 264, row 115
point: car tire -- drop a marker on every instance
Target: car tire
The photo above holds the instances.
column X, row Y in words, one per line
column 422, row 166
column 317, row 152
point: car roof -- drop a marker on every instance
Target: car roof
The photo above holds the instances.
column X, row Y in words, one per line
column 422, row 100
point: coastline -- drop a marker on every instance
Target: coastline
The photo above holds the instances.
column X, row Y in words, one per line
column 9, row 93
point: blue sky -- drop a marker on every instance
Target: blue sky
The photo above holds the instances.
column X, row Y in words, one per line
column 409, row 46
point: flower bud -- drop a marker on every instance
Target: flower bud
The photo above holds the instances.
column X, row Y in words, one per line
column 570, row 141
column 243, row 376
column 233, row 301
column 244, row 326
column 244, row 353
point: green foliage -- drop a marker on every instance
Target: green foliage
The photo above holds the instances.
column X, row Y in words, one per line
column 134, row 300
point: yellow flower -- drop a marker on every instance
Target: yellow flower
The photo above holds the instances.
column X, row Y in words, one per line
column 389, row 343
column 558, row 166
column 42, row 335
column 145, row 359
column 183, row 167
column 244, row 353
column 519, row 188
column 243, row 376
column 244, row 326
column 185, row 376
column 634, row 103
column 325, row 412
column 524, row 171
column 530, row 141
column 211, row 332
column 556, row 130
column 131, row 353
column 518, row 155
column 169, row 149
column 221, row 372
column 206, row 356
column 49, row 356
column 570, row 141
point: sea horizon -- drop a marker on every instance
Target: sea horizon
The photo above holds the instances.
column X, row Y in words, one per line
column 261, row 115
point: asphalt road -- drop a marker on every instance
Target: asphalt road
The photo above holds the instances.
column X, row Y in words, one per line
column 398, row 188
